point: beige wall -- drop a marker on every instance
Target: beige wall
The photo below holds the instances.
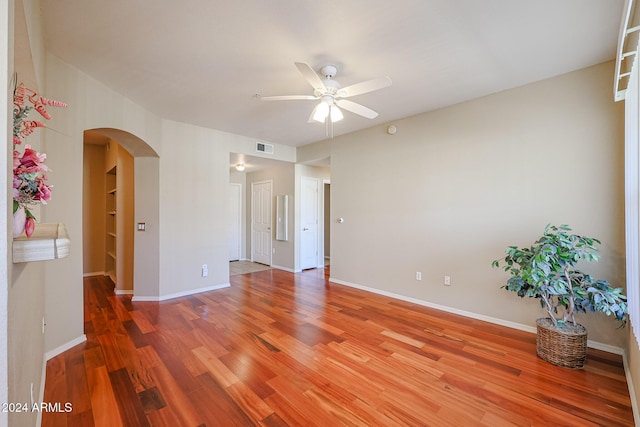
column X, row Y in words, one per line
column 147, row 243
column 454, row 187
column 22, row 305
column 93, row 208
column 194, row 181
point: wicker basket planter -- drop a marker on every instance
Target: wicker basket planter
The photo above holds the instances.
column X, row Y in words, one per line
column 565, row 347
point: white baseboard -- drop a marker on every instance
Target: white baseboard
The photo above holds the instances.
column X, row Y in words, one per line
column 124, row 291
column 494, row 320
column 605, row 347
column 632, row 390
column 95, row 273
column 64, row 347
column 178, row 294
column 290, row 270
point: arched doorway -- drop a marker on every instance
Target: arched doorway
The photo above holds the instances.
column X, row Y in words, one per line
column 121, row 211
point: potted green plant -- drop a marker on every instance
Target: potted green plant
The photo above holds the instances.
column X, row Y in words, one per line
column 547, row 270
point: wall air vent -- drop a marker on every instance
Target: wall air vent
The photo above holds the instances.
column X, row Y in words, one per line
column 261, row 147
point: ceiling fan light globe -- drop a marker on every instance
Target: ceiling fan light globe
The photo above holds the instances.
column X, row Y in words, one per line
column 321, row 113
column 336, row 114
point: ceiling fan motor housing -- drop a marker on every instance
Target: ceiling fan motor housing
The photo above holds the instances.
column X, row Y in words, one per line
column 329, row 71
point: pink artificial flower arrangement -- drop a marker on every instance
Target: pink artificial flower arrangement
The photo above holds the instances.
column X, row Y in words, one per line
column 29, row 180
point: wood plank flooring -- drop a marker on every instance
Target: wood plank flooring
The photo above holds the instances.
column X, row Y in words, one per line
column 278, row 349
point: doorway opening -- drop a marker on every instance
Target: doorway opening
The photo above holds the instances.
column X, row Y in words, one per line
column 115, row 163
column 108, row 211
column 259, row 250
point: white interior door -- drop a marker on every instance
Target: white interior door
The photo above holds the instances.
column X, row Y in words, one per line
column 261, row 222
column 235, row 221
column 309, row 215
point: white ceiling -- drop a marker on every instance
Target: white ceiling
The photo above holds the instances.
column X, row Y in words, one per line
column 252, row 163
column 203, row 61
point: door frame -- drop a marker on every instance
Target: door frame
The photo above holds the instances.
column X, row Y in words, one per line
column 253, row 184
column 239, row 219
column 323, row 221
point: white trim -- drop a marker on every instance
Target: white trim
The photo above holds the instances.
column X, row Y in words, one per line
column 323, row 220
column 632, row 391
column 238, row 185
column 501, row 322
column 43, row 379
column 290, row 270
column 605, row 347
column 179, row 294
column 632, row 192
column 124, row 291
column 64, row 347
column 95, row 273
column 623, row 32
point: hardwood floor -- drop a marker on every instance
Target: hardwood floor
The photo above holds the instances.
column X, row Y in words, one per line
column 279, row 349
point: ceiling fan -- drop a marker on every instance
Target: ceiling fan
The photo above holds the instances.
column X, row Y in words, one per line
column 331, row 94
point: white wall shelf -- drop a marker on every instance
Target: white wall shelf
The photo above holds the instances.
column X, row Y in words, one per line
column 48, row 241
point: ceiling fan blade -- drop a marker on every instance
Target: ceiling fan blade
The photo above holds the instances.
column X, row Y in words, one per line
column 364, row 87
column 311, row 76
column 288, row 98
column 356, row 108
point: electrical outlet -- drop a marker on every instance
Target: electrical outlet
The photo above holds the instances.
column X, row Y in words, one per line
column 447, row 280
column 43, row 325
column 205, row 270
column 32, row 399
column 418, row 275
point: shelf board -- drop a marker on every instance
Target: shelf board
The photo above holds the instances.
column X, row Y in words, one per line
column 111, row 213
column 112, row 255
column 48, row 241
column 111, row 234
column 112, row 191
